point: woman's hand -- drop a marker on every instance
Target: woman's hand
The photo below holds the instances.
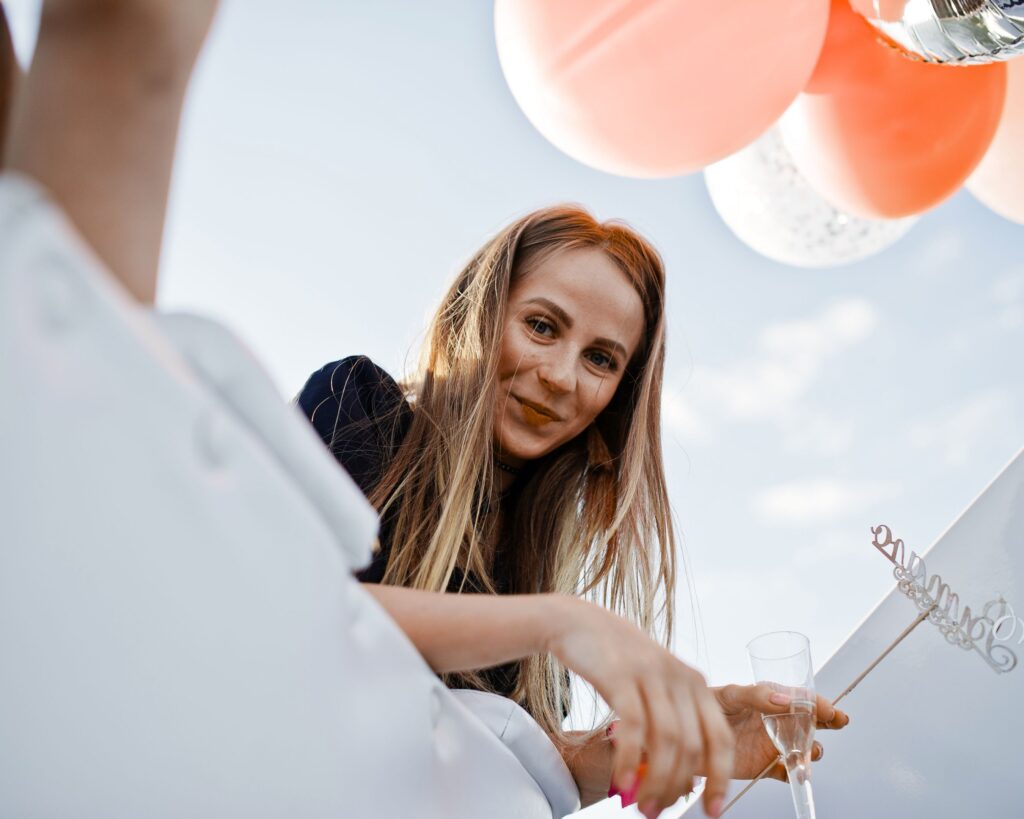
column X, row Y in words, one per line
column 664, row 707
column 742, row 706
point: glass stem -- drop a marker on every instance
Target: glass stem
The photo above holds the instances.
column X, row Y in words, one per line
column 800, row 787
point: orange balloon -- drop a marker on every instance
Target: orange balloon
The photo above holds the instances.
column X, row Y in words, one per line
column 999, row 180
column 883, row 136
column 656, row 89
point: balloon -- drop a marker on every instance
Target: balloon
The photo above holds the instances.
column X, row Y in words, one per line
column 999, row 180
column 765, row 201
column 889, row 11
column 656, row 89
column 882, row 136
column 949, row 31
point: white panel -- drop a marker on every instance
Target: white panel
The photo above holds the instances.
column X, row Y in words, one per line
column 934, row 731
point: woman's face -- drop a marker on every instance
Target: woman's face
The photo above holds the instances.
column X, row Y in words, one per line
column 573, row 323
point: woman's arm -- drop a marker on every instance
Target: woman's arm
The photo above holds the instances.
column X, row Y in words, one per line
column 665, row 708
column 459, row 632
column 463, row 632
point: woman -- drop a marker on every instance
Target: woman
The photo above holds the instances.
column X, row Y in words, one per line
column 524, row 460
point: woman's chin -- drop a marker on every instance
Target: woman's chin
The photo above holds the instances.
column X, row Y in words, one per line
column 515, row 450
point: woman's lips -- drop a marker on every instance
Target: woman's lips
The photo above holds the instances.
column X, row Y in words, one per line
column 533, row 416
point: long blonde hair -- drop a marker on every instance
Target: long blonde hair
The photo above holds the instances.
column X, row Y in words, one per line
column 593, row 517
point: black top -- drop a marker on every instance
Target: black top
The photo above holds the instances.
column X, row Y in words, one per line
column 361, row 414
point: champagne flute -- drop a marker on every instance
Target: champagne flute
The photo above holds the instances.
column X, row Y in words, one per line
column 782, row 660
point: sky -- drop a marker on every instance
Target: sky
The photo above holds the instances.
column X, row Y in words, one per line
column 340, row 161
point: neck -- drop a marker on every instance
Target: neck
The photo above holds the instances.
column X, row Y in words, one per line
column 505, row 472
column 504, row 479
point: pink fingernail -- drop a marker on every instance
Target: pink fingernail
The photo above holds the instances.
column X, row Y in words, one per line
column 650, row 809
column 629, row 793
column 715, row 808
column 626, row 789
column 780, row 699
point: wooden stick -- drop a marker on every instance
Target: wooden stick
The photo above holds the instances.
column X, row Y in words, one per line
column 917, row 621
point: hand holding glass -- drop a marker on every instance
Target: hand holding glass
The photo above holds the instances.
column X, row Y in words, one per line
column 782, row 661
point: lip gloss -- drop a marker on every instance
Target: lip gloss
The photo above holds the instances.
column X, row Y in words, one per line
column 534, row 418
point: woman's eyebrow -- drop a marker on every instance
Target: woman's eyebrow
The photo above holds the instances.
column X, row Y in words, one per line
column 566, row 319
column 614, row 345
column 560, row 314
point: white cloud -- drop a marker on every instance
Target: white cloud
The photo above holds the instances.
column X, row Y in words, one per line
column 818, row 433
column 822, row 500
column 828, row 545
column 941, row 254
column 1008, row 294
column 957, row 432
column 682, row 418
column 772, row 383
column 1009, row 287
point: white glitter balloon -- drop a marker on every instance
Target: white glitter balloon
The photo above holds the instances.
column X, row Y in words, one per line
column 769, row 205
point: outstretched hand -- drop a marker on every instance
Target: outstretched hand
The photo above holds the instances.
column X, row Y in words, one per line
column 743, row 705
column 666, row 709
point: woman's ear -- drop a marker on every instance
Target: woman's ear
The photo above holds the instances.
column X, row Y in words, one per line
column 9, row 75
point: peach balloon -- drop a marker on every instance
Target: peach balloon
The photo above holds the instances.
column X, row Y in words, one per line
column 882, row 136
column 656, row 88
column 999, row 180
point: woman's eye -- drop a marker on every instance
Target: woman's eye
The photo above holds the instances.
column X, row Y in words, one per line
column 539, row 325
column 603, row 360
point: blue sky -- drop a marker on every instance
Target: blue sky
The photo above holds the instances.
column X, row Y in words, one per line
column 339, row 161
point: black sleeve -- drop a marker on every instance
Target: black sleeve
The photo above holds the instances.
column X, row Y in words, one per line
column 360, row 414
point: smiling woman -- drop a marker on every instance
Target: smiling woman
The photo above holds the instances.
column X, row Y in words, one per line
column 525, row 455
column 522, row 461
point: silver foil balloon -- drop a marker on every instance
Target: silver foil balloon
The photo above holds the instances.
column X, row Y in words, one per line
column 950, row 31
column 769, row 205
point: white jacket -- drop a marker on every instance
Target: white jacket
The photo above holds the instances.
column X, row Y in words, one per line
column 180, row 633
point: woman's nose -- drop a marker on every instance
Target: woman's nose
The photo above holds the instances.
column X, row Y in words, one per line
column 557, row 373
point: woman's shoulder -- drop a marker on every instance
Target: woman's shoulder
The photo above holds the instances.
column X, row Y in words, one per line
column 355, row 386
column 359, row 411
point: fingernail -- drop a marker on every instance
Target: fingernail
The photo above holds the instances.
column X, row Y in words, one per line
column 780, row 699
column 619, row 788
column 715, row 808
column 650, row 809
column 628, row 790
